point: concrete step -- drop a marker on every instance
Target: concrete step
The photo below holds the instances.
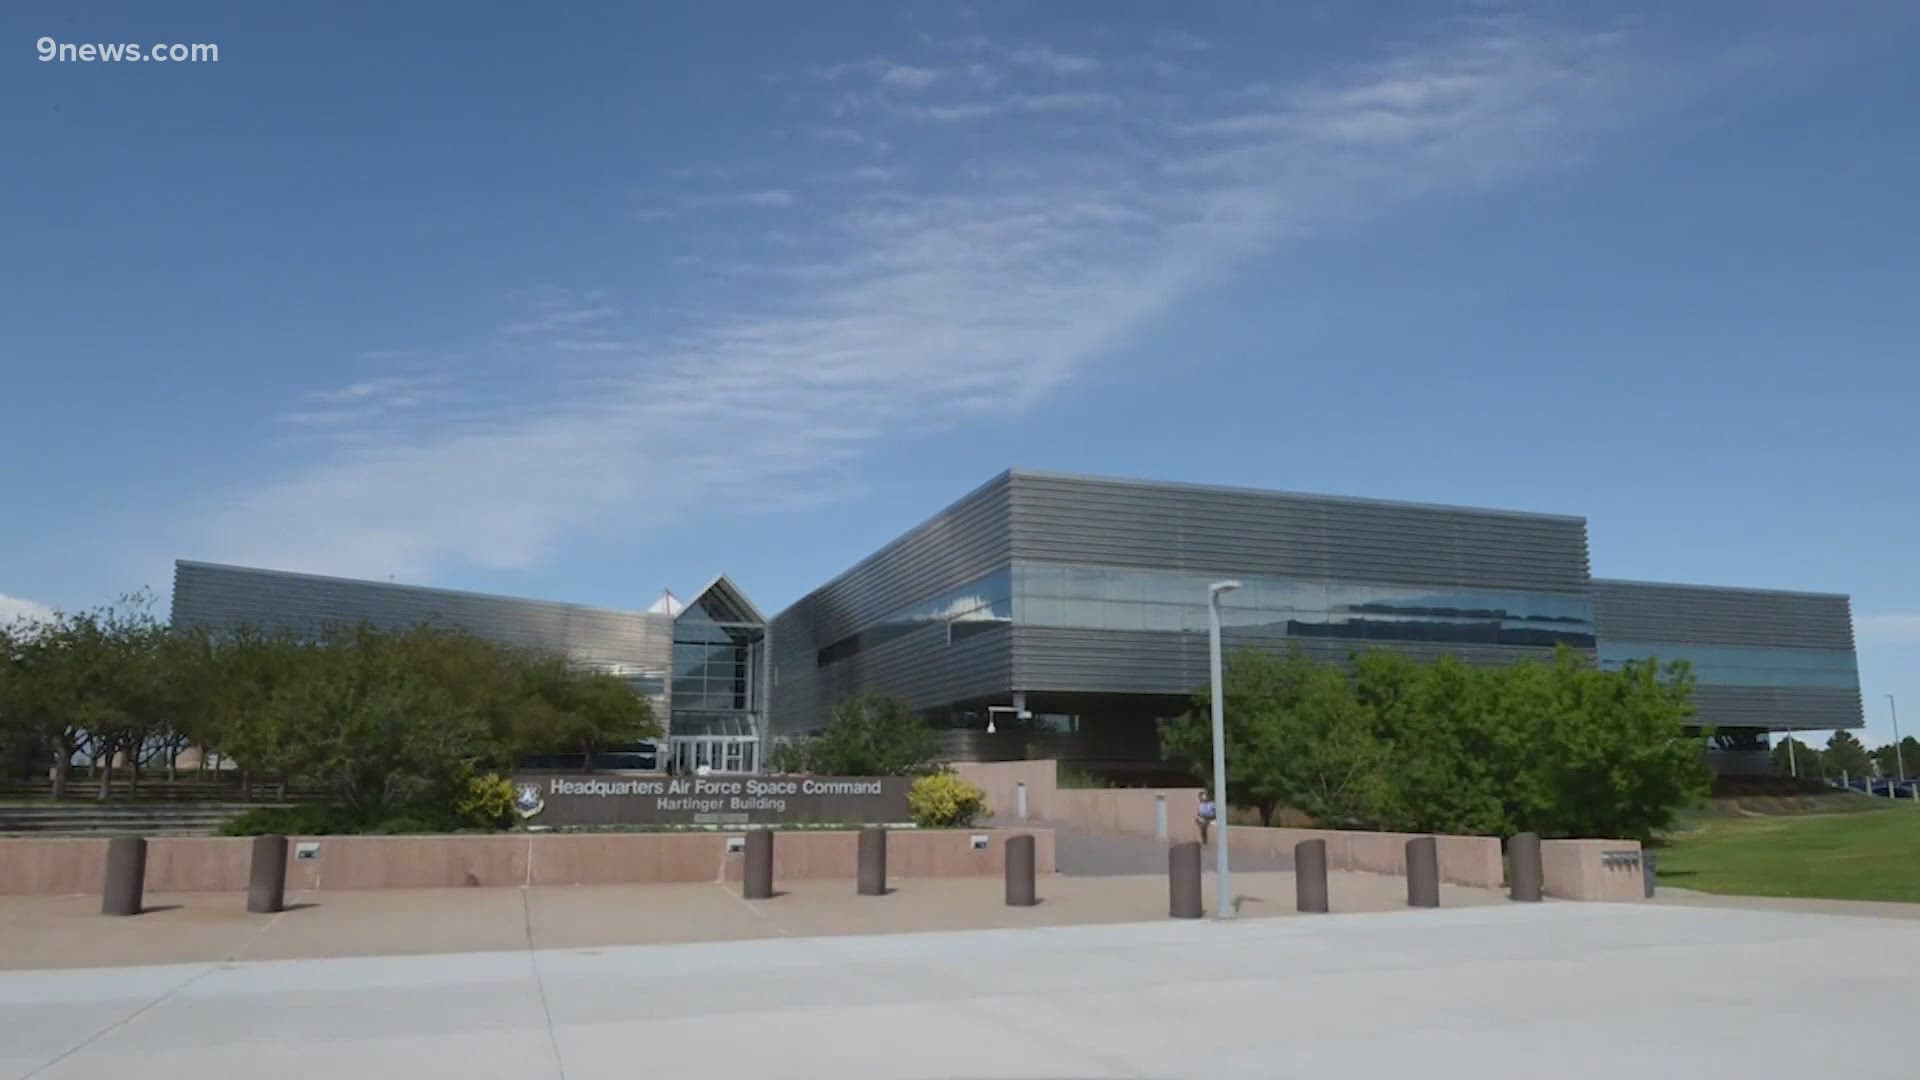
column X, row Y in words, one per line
column 70, row 819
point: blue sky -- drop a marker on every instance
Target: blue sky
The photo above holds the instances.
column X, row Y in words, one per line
column 583, row 303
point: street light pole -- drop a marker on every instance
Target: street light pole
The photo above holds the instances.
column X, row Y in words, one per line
column 1899, row 760
column 1223, row 898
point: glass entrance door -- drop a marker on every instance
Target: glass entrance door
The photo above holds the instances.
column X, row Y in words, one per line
column 716, row 753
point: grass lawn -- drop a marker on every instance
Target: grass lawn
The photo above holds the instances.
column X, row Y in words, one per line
column 1867, row 855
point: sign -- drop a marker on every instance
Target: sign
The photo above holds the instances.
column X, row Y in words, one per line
column 562, row 799
column 306, row 849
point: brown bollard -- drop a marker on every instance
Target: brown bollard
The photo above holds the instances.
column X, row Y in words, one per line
column 267, row 878
column 126, row 883
column 756, row 878
column 1310, row 876
column 1183, row 882
column 1423, row 872
column 1524, row 877
column 873, row 862
column 1020, row 888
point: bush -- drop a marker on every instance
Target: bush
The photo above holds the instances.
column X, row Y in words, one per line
column 1072, row 779
column 487, row 803
column 313, row 819
column 407, row 824
column 943, row 800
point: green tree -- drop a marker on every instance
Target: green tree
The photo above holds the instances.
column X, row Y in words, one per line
column 87, row 683
column 1797, row 758
column 580, row 711
column 1620, row 761
column 356, row 714
column 1893, row 764
column 1296, row 736
column 1449, row 743
column 1845, row 754
column 1255, row 686
column 868, row 734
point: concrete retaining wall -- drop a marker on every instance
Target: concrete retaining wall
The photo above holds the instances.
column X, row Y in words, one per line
column 1130, row 811
column 220, row 864
column 1000, row 781
column 1578, row 870
column 1464, row 860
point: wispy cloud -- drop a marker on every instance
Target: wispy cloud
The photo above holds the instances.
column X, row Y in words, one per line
column 1059, row 63
column 1887, row 628
column 756, row 199
column 975, row 290
column 882, row 72
column 16, row 608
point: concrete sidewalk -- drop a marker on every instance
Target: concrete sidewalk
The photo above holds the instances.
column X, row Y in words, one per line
column 1489, row 993
column 69, row 931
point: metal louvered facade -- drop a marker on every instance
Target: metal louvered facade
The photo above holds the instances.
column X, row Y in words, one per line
column 1762, row 659
column 925, row 666
column 1062, row 594
column 636, row 645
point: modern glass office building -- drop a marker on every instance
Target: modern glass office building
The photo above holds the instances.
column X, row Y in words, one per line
column 702, row 664
column 1763, row 660
column 1066, row 616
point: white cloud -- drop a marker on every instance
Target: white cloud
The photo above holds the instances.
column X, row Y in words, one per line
column 885, row 73
column 1888, row 628
column 908, row 78
column 974, row 110
column 373, row 389
column 973, row 294
column 1059, row 63
column 14, row 608
column 1063, row 101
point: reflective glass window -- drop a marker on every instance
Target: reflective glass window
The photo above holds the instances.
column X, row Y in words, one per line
column 1112, row 598
column 1730, row 665
column 988, row 600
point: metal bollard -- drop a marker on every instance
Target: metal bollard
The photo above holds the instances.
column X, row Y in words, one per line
column 1649, row 866
column 873, row 862
column 1020, row 890
column 267, row 878
column 126, row 883
column 756, row 878
column 1020, row 799
column 1423, row 872
column 1183, row 881
column 1310, row 876
column 1525, row 878
column 1160, row 817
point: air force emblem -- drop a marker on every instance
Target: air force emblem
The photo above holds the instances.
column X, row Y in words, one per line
column 527, row 801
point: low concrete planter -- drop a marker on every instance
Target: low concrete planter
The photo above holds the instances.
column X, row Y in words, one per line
column 31, row 867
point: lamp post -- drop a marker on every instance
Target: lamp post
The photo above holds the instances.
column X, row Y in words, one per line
column 1223, row 900
column 1899, row 760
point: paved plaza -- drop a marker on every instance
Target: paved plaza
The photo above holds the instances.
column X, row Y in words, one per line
column 69, row 931
column 1559, row 989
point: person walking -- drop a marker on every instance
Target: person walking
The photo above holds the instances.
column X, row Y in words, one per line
column 1203, row 817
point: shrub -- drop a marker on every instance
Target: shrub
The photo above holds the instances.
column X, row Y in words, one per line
column 944, row 800
column 1072, row 779
column 487, row 803
column 404, row 824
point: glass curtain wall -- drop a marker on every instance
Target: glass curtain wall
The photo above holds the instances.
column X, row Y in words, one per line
column 1117, row 598
column 716, row 692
